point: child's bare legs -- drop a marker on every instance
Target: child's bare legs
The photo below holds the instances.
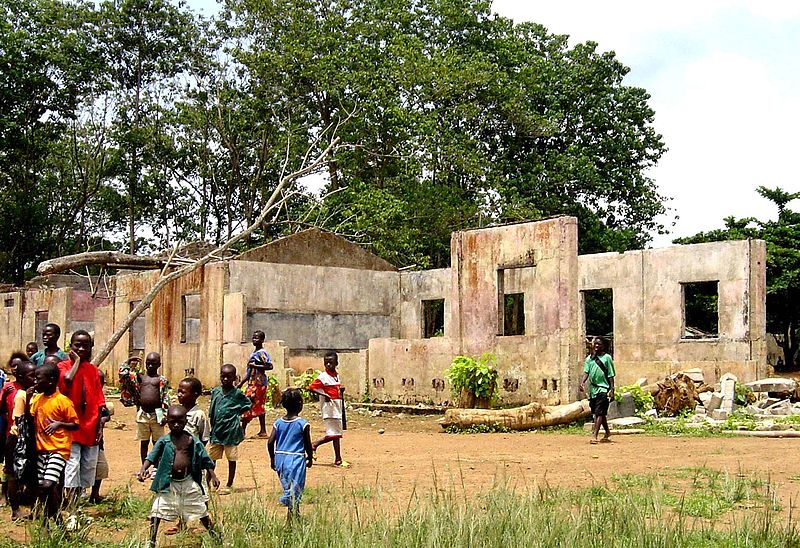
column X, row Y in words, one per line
column 154, row 523
column 262, row 422
column 13, row 498
column 245, row 422
column 143, row 449
column 50, row 498
column 604, row 423
column 337, row 447
column 206, row 521
column 231, row 473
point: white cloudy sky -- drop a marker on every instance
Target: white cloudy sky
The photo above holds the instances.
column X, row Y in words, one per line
column 724, row 76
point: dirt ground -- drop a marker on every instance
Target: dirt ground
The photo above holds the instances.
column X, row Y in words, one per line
column 414, row 456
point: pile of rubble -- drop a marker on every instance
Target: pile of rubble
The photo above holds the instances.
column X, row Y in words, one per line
column 770, row 397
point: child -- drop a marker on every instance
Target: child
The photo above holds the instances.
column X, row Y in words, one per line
column 55, row 419
column 31, row 348
column 7, row 394
column 327, row 386
column 80, row 382
column 150, row 394
column 189, row 389
column 290, row 451
column 180, row 460
column 50, row 335
column 227, row 406
column 257, row 383
column 20, row 468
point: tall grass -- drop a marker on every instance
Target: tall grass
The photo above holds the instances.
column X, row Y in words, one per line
column 695, row 507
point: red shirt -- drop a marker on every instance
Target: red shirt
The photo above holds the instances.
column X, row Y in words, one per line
column 9, row 391
column 328, row 384
column 86, row 394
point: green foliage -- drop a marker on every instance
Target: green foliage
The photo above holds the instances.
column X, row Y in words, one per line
column 477, row 377
column 478, row 429
column 740, row 420
column 642, row 399
column 743, row 394
column 782, row 237
column 303, row 381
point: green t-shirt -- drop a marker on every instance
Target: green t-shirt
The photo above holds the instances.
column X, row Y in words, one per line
column 38, row 358
column 597, row 380
column 225, row 415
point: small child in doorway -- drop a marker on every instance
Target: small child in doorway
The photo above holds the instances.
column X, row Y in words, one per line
column 257, row 383
column 55, row 419
column 290, row 452
column 227, row 405
column 330, row 391
column 180, row 460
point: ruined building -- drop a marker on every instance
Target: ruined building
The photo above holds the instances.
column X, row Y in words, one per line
column 517, row 291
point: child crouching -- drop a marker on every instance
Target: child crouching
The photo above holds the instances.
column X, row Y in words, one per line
column 290, row 450
column 180, row 460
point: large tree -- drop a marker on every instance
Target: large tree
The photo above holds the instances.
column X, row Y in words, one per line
column 783, row 266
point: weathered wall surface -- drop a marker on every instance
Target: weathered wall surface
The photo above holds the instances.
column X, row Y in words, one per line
column 314, row 307
column 648, row 308
column 536, row 259
column 11, row 323
column 418, row 286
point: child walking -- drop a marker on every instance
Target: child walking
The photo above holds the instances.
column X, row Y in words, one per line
column 329, row 390
column 227, row 405
column 150, row 394
column 290, row 452
column 180, row 460
column 55, row 419
column 257, row 383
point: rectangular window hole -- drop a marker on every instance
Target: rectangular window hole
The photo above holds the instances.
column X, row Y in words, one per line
column 42, row 317
column 190, row 318
column 514, row 314
column 598, row 312
column 554, row 385
column 136, row 339
column 8, row 302
column 700, row 310
column 544, row 384
column 432, row 318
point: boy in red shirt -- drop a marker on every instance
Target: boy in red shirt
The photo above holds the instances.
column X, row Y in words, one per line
column 329, row 390
column 80, row 382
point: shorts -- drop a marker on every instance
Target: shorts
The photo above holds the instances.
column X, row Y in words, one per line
column 215, row 451
column 101, row 472
column 599, row 404
column 148, row 427
column 11, row 444
column 184, row 500
column 82, row 466
column 333, row 428
column 50, row 467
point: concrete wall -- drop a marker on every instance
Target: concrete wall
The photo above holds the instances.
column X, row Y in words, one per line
column 12, row 304
column 537, row 259
column 316, row 307
column 648, row 308
column 416, row 287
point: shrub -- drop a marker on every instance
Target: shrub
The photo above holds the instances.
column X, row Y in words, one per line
column 303, row 381
column 477, row 378
column 643, row 400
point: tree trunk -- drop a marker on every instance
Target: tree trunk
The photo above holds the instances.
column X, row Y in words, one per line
column 527, row 417
column 105, row 258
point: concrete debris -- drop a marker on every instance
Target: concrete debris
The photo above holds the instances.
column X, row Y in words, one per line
column 695, row 374
column 714, row 402
column 783, row 407
column 773, row 384
column 719, row 414
column 642, row 381
column 625, row 422
column 728, row 392
column 651, row 413
column 625, row 408
column 705, row 397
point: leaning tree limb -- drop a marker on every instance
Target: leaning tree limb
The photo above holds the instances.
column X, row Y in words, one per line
column 527, row 417
column 105, row 258
column 273, row 201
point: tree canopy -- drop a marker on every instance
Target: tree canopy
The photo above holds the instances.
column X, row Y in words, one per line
column 136, row 124
column 782, row 237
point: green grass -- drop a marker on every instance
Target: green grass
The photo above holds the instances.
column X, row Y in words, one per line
column 676, row 507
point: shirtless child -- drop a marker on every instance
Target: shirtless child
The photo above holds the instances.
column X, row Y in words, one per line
column 150, row 394
column 180, row 459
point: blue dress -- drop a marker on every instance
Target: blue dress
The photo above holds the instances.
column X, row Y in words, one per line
column 290, row 459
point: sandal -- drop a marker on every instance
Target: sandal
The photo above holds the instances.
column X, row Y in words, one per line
column 172, row 530
column 593, row 441
column 342, row 464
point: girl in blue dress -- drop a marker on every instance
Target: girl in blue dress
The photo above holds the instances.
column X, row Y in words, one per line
column 290, row 450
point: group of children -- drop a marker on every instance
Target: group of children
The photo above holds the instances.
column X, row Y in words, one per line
column 53, row 413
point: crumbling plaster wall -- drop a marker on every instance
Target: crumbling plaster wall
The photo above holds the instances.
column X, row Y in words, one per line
column 11, row 322
column 540, row 260
column 418, row 286
column 648, row 308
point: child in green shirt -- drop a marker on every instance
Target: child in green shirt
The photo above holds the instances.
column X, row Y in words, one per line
column 227, row 405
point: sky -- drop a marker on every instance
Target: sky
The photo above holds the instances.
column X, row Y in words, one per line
column 724, row 80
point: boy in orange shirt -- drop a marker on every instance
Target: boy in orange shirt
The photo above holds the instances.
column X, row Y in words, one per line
column 54, row 419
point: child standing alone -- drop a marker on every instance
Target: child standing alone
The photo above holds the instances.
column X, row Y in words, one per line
column 290, row 451
column 331, row 403
column 257, row 383
column 227, row 405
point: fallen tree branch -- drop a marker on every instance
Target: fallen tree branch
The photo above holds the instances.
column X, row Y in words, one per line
column 104, row 258
column 527, row 417
column 219, row 251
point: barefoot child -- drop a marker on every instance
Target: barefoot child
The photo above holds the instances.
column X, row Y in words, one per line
column 598, row 369
column 180, row 460
column 55, row 419
column 150, row 394
column 327, row 386
column 257, row 383
column 227, row 405
column 21, row 466
column 290, row 450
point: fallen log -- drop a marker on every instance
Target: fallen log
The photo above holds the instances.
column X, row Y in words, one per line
column 527, row 417
column 764, row 433
column 104, row 258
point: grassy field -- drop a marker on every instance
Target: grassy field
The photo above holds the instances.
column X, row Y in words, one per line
column 691, row 507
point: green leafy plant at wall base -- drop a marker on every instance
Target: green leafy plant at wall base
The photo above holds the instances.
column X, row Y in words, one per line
column 478, row 377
